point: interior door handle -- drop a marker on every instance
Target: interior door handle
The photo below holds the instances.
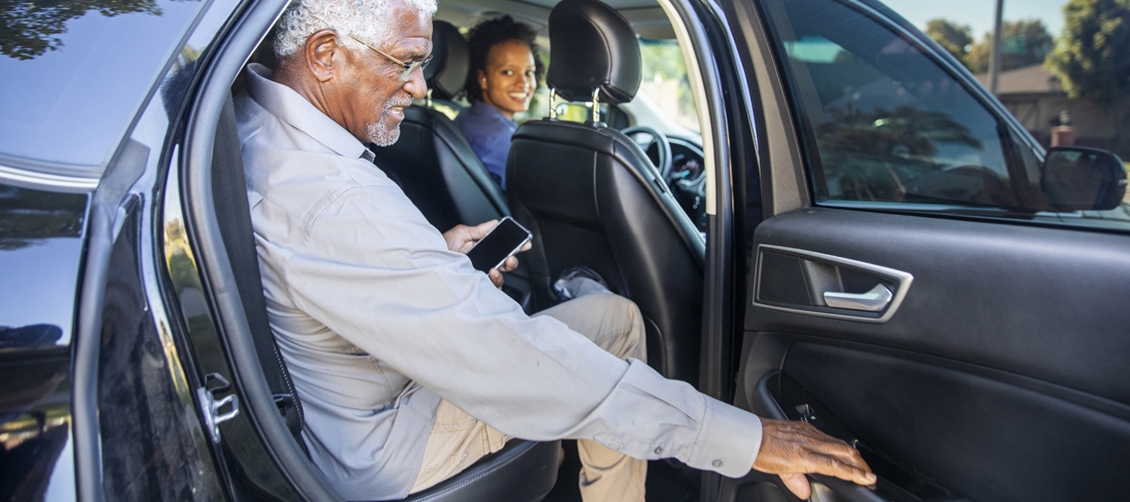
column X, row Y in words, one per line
column 805, row 282
column 871, row 301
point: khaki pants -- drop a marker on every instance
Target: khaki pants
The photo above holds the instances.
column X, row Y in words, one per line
column 458, row 440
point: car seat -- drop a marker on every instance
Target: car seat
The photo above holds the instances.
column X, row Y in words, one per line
column 591, row 197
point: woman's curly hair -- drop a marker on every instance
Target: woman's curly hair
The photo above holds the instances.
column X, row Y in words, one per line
column 492, row 32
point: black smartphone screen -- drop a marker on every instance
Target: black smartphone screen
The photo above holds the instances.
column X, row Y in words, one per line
column 500, row 243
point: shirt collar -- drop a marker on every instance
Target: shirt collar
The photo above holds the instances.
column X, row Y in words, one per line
column 290, row 107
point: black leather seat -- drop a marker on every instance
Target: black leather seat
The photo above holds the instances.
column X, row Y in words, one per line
column 432, row 162
column 591, row 196
column 522, row 471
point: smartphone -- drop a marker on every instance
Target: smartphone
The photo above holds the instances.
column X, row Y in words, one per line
column 502, row 242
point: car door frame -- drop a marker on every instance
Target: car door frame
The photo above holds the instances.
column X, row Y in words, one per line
column 785, row 184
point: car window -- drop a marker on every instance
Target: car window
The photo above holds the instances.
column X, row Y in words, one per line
column 883, row 122
column 76, row 71
column 665, row 81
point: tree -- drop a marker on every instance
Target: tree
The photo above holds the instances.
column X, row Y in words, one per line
column 1092, row 56
column 1023, row 43
column 955, row 38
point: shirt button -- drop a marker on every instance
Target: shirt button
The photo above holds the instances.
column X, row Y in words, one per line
column 658, row 450
column 716, row 463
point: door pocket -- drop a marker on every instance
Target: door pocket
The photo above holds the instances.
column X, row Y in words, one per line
column 818, row 284
column 896, row 482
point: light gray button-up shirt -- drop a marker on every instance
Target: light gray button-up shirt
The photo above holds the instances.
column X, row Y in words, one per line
column 377, row 320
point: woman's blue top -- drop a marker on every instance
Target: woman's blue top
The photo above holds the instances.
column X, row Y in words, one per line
column 489, row 132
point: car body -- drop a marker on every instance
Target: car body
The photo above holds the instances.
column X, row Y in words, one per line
column 994, row 370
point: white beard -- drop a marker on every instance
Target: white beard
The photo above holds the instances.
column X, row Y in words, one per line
column 379, row 133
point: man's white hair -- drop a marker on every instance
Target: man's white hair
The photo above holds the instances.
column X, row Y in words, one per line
column 367, row 20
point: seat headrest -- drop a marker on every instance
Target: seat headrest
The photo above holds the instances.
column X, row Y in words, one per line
column 451, row 60
column 592, row 47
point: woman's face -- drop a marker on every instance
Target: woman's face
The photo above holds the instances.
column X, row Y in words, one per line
column 509, row 80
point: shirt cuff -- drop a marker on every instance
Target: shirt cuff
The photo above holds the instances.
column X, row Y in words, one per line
column 728, row 441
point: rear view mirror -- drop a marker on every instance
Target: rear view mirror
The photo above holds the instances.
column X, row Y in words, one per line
column 1080, row 179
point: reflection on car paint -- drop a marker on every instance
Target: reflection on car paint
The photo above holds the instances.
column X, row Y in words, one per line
column 79, row 70
column 40, row 254
column 34, row 420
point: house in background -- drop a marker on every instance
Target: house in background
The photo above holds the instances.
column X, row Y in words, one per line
column 1035, row 96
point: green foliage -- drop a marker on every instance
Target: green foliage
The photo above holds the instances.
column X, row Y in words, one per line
column 28, row 28
column 662, row 60
column 1023, row 43
column 955, row 38
column 1092, row 57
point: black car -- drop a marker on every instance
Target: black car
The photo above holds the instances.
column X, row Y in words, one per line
column 857, row 235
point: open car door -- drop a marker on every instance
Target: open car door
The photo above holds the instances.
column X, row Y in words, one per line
column 907, row 292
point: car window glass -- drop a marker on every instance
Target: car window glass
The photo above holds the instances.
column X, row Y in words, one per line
column 887, row 123
column 665, row 81
column 883, row 122
column 75, row 72
column 664, row 86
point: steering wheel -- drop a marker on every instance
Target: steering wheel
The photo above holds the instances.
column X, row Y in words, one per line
column 664, row 146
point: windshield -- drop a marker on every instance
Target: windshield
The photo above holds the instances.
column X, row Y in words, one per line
column 75, row 71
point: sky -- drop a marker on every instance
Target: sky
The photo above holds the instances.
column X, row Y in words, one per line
column 978, row 14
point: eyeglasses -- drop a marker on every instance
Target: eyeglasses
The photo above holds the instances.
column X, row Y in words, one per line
column 409, row 67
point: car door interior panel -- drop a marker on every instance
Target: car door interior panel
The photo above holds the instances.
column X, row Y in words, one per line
column 965, row 392
column 987, row 439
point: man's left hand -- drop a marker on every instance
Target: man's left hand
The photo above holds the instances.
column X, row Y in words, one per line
column 461, row 238
column 792, row 449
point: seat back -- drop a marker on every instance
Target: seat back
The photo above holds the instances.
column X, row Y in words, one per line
column 432, row 162
column 591, row 196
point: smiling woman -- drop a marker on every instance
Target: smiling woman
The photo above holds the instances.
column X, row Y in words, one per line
column 504, row 73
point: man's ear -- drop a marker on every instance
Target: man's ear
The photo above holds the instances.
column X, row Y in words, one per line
column 323, row 54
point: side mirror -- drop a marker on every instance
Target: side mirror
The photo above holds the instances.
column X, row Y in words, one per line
column 1080, row 179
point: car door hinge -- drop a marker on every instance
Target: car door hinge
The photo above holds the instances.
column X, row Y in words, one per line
column 210, row 405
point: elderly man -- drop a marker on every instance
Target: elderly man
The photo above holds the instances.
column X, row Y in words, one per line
column 412, row 364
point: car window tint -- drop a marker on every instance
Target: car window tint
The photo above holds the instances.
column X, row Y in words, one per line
column 888, row 124
column 884, row 123
column 76, row 71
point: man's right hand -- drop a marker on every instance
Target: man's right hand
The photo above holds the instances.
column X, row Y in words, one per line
column 461, row 238
column 793, row 449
